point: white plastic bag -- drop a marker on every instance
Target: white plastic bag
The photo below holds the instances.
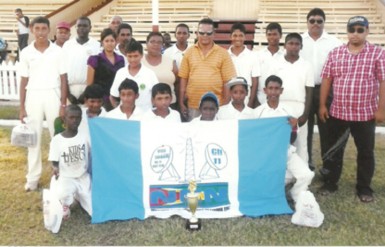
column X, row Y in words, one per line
column 52, row 209
column 307, row 211
column 23, row 136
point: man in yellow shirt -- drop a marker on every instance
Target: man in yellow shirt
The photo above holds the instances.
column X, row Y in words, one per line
column 205, row 67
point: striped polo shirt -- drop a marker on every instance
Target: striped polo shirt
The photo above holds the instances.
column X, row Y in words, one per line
column 206, row 73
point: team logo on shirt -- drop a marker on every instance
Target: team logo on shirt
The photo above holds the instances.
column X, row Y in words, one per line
column 75, row 154
column 142, row 86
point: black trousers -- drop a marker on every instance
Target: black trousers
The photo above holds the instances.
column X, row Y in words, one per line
column 23, row 40
column 322, row 127
column 364, row 138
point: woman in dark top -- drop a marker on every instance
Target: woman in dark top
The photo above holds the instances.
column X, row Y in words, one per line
column 102, row 67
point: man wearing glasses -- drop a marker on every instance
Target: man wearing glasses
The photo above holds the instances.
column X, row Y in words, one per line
column 205, row 67
column 317, row 44
column 356, row 74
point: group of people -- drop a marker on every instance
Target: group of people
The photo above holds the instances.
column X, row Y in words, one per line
column 315, row 75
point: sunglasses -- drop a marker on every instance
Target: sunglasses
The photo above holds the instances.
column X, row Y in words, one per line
column 358, row 30
column 207, row 33
column 319, row 21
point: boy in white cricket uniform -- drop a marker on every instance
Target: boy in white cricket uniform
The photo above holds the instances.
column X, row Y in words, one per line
column 43, row 91
column 236, row 109
column 245, row 61
column 298, row 81
column 273, row 108
column 69, row 153
column 143, row 76
column 268, row 57
column 177, row 50
column 161, row 100
column 127, row 110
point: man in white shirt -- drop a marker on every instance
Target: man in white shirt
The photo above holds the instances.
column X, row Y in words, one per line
column 176, row 51
column 77, row 50
column 22, row 29
column 245, row 61
column 317, row 44
column 268, row 57
column 136, row 71
column 124, row 35
column 298, row 82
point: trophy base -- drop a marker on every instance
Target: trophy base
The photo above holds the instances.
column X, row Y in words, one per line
column 193, row 226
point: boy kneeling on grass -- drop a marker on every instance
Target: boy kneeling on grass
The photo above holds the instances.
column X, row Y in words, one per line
column 296, row 166
column 69, row 153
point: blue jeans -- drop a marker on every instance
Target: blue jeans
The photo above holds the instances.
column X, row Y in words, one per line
column 364, row 138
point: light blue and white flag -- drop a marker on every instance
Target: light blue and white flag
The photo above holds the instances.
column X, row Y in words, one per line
column 142, row 169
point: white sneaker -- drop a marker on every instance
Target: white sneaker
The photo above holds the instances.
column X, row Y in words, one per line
column 66, row 212
column 30, row 186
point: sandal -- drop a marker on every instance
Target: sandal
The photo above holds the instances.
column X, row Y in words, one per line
column 365, row 198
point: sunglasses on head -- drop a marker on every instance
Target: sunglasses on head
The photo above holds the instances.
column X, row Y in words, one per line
column 319, row 21
column 207, row 33
column 358, row 30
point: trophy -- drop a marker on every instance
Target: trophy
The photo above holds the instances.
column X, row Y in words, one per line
column 192, row 202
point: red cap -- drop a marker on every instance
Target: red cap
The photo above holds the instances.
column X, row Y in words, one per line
column 63, row 24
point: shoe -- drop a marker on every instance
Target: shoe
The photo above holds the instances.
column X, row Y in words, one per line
column 324, row 173
column 327, row 188
column 66, row 212
column 365, row 198
column 30, row 186
column 311, row 166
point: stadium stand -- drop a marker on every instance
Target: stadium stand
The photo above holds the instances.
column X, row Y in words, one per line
column 138, row 13
column 292, row 16
column 8, row 24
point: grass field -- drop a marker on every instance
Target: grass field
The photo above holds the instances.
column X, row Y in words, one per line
column 347, row 220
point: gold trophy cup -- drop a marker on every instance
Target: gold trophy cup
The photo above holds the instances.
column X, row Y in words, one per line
column 192, row 202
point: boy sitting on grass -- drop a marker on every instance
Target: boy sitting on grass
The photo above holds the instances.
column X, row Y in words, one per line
column 296, row 166
column 127, row 110
column 208, row 107
column 236, row 109
column 161, row 98
column 69, row 152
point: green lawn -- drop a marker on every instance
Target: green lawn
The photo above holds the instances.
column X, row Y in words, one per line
column 347, row 220
column 9, row 111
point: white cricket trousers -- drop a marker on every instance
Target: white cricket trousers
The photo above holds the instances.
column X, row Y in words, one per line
column 301, row 142
column 297, row 167
column 68, row 189
column 40, row 104
column 77, row 89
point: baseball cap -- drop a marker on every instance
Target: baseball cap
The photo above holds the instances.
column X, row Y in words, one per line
column 63, row 24
column 237, row 81
column 358, row 20
column 209, row 95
